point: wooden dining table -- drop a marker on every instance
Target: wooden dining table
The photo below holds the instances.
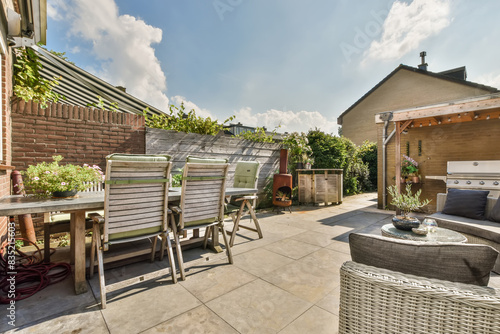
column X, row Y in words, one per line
column 78, row 206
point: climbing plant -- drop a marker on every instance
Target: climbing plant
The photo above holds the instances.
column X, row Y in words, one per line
column 29, row 84
column 259, row 135
column 179, row 120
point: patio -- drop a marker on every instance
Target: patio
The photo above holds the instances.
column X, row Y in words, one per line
column 287, row 282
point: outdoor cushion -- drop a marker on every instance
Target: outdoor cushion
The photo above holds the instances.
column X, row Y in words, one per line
column 455, row 262
column 495, row 212
column 466, row 203
column 206, row 160
column 138, row 157
column 245, row 174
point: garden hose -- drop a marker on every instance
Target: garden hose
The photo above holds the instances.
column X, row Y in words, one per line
column 27, row 274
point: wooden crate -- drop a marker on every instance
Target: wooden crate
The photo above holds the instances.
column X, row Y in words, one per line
column 320, row 186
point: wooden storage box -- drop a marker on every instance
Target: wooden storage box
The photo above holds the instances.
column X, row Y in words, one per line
column 320, row 186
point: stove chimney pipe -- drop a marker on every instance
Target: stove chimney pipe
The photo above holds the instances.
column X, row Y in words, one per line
column 423, row 65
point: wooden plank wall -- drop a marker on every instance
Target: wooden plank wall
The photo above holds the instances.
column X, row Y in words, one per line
column 180, row 145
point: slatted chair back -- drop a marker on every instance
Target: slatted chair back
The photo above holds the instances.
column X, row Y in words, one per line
column 246, row 175
column 203, row 190
column 136, row 199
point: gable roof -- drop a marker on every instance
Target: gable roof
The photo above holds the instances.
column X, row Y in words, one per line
column 81, row 88
column 446, row 75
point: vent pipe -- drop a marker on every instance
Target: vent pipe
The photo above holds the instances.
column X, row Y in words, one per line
column 423, row 65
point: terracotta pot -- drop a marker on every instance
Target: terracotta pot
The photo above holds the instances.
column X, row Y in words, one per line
column 415, row 179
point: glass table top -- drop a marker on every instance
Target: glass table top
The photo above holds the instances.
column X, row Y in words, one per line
column 441, row 235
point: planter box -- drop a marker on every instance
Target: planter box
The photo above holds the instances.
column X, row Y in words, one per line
column 320, row 186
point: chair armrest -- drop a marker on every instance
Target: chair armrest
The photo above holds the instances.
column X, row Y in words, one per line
column 246, row 197
column 391, row 298
column 97, row 218
column 175, row 208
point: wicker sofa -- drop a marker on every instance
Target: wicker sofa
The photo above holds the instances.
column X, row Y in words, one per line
column 375, row 300
column 477, row 231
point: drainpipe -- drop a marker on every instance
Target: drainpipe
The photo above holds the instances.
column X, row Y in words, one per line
column 386, row 117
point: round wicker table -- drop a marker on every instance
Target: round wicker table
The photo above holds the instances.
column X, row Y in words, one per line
column 441, row 235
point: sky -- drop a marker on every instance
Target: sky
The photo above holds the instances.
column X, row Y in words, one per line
column 290, row 65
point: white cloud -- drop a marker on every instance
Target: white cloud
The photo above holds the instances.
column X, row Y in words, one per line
column 289, row 121
column 121, row 43
column 177, row 100
column 489, row 79
column 406, row 26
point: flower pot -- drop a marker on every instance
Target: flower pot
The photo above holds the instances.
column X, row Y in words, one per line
column 415, row 179
column 62, row 194
column 405, row 224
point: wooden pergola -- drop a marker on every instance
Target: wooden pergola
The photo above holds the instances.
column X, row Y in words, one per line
column 471, row 110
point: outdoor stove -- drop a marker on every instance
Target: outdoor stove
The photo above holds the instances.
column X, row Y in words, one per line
column 282, row 184
column 475, row 175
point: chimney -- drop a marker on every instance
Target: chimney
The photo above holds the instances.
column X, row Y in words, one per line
column 423, row 66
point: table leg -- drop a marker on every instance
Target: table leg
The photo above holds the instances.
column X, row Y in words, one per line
column 78, row 250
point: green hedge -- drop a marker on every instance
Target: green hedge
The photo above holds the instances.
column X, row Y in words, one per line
column 358, row 162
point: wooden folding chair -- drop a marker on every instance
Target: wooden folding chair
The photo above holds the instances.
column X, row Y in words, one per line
column 135, row 208
column 202, row 203
column 245, row 176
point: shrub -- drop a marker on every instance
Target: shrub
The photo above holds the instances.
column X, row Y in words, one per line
column 330, row 151
column 181, row 121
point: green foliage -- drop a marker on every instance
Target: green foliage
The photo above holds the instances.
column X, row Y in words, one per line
column 181, row 121
column 176, row 178
column 29, row 84
column 408, row 166
column 406, row 202
column 267, row 200
column 100, row 105
column 258, row 136
column 368, row 152
column 45, row 178
column 298, row 147
column 330, row 151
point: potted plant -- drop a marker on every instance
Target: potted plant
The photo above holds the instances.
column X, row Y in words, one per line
column 406, row 202
column 52, row 179
column 409, row 169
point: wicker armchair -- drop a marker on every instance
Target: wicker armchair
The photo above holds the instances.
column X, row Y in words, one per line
column 374, row 300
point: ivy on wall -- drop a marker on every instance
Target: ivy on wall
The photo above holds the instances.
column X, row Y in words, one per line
column 29, row 84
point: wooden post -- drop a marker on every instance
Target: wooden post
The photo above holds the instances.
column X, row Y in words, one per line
column 397, row 160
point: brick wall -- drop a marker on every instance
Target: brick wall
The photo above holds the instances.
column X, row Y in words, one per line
column 468, row 141
column 5, row 172
column 405, row 89
column 80, row 135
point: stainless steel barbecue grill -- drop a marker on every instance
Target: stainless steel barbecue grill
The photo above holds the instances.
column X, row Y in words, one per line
column 476, row 175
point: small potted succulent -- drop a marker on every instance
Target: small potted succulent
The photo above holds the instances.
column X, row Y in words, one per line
column 52, row 179
column 406, row 202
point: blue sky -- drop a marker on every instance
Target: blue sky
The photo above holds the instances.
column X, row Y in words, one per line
column 298, row 64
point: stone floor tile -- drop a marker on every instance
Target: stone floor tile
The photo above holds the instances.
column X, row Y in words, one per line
column 314, row 238
column 56, row 298
column 198, row 320
column 216, row 281
column 339, row 246
column 334, row 230
column 331, row 302
column 326, row 259
column 260, row 261
column 258, row 307
column 81, row 320
column 308, row 282
column 291, row 248
column 315, row 320
column 145, row 305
